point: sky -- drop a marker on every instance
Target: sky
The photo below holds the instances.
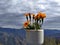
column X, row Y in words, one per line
column 12, row 11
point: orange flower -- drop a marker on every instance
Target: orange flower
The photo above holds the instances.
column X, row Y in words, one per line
column 36, row 17
column 33, row 15
column 43, row 15
column 39, row 15
column 26, row 24
column 26, row 14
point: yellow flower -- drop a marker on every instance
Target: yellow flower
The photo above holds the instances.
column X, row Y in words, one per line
column 26, row 24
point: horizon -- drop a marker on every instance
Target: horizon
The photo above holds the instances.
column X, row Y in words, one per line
column 23, row 28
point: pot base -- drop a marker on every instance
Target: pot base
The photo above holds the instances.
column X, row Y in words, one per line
column 35, row 37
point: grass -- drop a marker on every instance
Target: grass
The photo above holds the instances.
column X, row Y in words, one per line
column 51, row 41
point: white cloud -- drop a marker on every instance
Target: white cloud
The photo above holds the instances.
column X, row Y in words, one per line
column 20, row 6
column 58, row 1
column 14, row 2
column 51, row 7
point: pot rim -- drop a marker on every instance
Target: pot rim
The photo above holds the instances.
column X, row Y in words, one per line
column 35, row 30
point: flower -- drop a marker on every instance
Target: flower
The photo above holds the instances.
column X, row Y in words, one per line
column 39, row 15
column 26, row 14
column 29, row 16
column 33, row 15
column 35, row 22
column 26, row 24
column 43, row 15
column 36, row 17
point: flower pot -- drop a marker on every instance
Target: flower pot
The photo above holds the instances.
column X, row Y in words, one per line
column 34, row 37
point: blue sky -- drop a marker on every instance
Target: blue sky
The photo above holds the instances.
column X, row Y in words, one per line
column 11, row 12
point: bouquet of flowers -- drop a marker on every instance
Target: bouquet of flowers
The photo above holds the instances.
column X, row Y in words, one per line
column 34, row 21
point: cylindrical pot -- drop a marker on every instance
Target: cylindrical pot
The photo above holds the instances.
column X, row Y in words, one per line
column 34, row 37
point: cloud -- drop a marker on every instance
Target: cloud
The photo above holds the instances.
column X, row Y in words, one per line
column 12, row 20
column 12, row 11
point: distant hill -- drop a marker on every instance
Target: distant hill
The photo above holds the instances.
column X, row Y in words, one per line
column 10, row 36
column 52, row 33
column 21, row 32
